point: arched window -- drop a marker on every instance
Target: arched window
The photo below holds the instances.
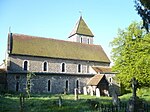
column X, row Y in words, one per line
column 17, row 86
column 81, row 39
column 49, row 85
column 17, row 77
column 45, row 66
column 110, row 79
column 88, row 41
column 63, row 67
column 77, row 83
column 67, row 86
column 25, row 65
column 79, row 68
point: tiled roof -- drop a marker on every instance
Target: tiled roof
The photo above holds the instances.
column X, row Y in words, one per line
column 47, row 47
column 102, row 69
column 94, row 81
column 81, row 28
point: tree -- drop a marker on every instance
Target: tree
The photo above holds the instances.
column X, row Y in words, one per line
column 131, row 55
column 143, row 9
column 28, row 82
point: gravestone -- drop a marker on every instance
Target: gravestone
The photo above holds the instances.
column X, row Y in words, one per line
column 94, row 89
column 76, row 93
column 65, row 91
column 106, row 92
column 88, row 90
column 91, row 90
column 84, row 90
column 97, row 92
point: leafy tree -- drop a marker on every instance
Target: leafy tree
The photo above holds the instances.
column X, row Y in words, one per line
column 28, row 82
column 131, row 55
column 143, row 9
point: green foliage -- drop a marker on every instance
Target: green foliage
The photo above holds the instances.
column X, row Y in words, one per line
column 131, row 55
column 28, row 82
column 143, row 92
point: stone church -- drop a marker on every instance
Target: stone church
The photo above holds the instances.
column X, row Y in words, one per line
column 58, row 65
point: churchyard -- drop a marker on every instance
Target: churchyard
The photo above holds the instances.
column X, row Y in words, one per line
column 67, row 103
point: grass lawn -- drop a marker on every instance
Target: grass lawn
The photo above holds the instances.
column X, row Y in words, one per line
column 49, row 103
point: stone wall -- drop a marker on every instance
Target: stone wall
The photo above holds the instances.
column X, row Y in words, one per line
column 39, row 83
column 54, row 65
column 54, row 74
column 3, row 82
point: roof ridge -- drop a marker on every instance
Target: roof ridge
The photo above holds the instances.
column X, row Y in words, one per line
column 103, row 66
column 20, row 34
column 49, row 38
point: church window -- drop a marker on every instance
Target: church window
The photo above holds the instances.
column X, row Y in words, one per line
column 45, row 66
column 49, row 85
column 81, row 39
column 63, row 67
column 67, row 86
column 88, row 41
column 17, row 86
column 25, row 65
column 110, row 79
column 79, row 68
column 77, row 83
column 17, row 77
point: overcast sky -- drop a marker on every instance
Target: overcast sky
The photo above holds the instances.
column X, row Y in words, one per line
column 56, row 19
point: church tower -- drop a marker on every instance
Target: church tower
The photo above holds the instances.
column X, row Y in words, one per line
column 81, row 33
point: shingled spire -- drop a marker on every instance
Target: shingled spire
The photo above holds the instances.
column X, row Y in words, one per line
column 81, row 33
column 81, row 28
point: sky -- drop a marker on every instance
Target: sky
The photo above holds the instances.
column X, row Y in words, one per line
column 56, row 19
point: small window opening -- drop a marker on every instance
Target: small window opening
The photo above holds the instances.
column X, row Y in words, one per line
column 17, row 86
column 45, row 66
column 25, row 65
column 67, row 86
column 49, row 85
column 63, row 67
column 79, row 68
column 77, row 84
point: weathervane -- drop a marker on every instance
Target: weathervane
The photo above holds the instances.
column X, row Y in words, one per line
column 10, row 29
